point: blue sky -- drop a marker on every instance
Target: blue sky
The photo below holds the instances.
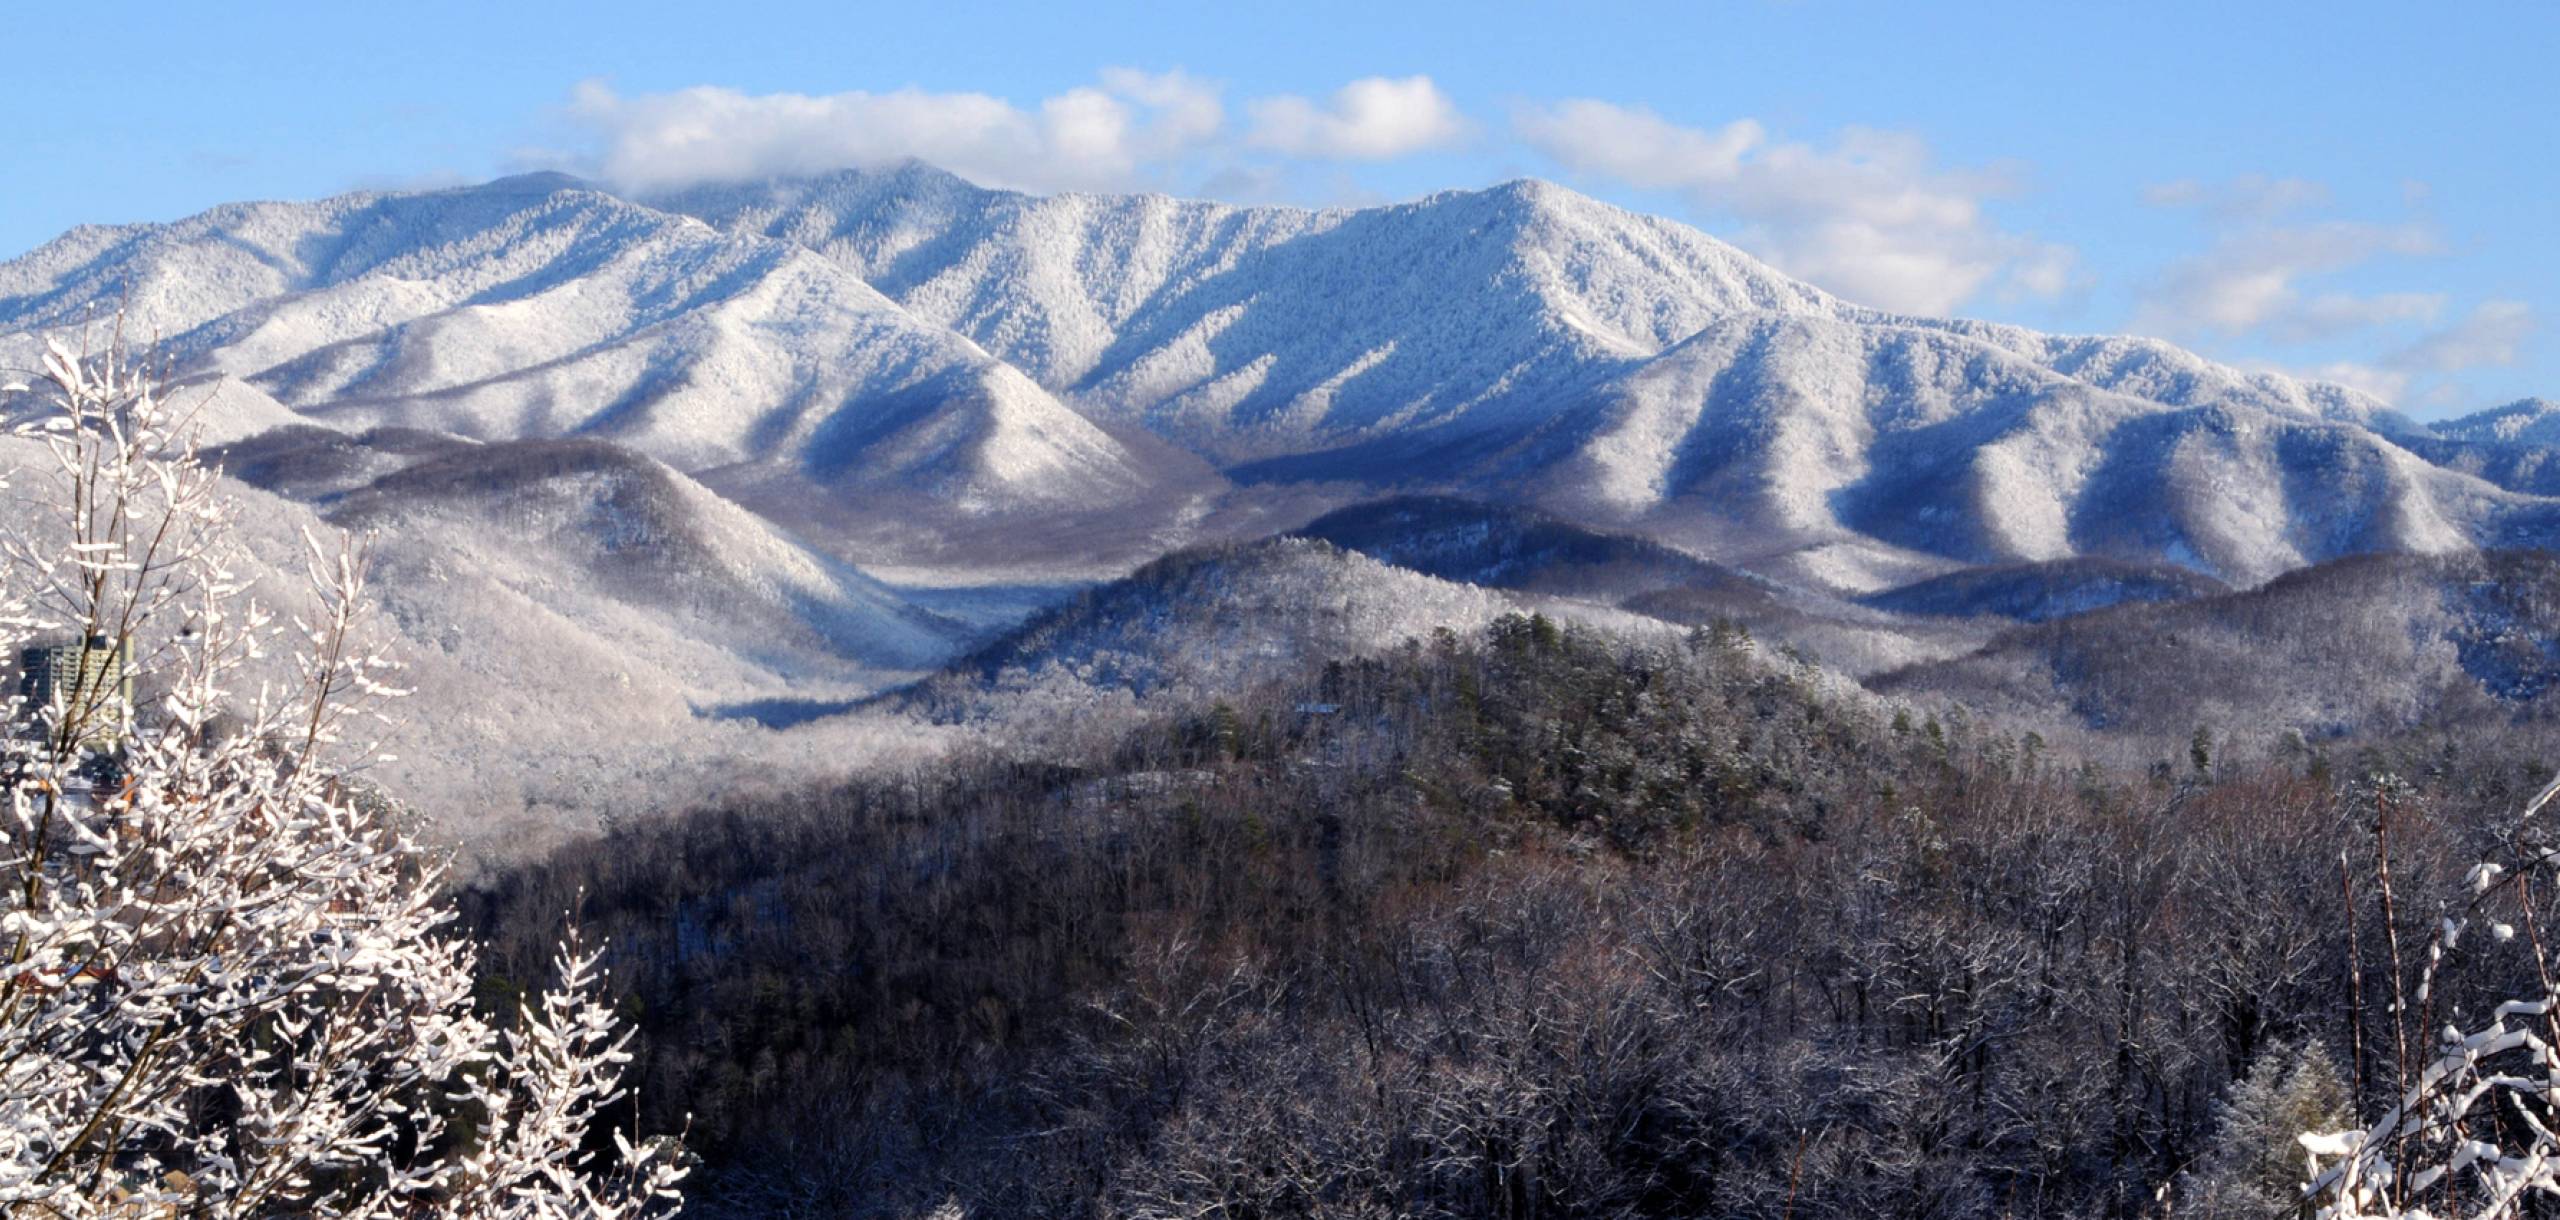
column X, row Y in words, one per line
column 2364, row 191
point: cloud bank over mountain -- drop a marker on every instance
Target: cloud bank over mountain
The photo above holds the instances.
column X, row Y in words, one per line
column 1128, row 130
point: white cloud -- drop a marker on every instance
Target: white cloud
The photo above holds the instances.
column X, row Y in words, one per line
column 1098, row 137
column 1637, row 146
column 1129, row 130
column 1373, row 119
column 2387, row 384
column 1870, row 216
column 2249, row 196
column 2425, row 371
column 2260, row 279
column 2490, row 334
column 1187, row 110
column 2251, row 282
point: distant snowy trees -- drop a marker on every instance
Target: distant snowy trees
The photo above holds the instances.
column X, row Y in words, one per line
column 227, row 984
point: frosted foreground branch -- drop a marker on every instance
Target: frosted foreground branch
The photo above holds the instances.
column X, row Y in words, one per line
column 229, row 985
column 2472, row 1134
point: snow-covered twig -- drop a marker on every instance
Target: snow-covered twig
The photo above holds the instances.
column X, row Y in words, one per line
column 2471, row 1132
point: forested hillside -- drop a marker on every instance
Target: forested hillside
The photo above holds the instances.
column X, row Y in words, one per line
column 2370, row 646
column 1526, row 922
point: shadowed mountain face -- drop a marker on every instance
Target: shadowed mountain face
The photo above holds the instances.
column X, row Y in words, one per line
column 309, row 462
column 1555, row 563
column 2038, row 592
column 2368, row 645
column 1507, row 547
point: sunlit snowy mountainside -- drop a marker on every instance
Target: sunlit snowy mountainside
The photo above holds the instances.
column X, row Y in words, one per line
column 536, row 307
column 716, row 465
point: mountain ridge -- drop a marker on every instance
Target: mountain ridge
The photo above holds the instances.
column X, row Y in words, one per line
column 532, row 307
column 885, row 359
column 755, row 454
column 2529, row 421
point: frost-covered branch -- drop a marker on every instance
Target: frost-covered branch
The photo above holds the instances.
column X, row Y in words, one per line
column 2472, row 1131
column 230, row 987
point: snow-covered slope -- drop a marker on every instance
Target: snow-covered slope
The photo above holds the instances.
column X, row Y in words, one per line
column 1199, row 625
column 578, row 626
column 2526, row 421
column 551, row 516
column 1261, row 332
column 1790, row 437
column 2372, row 644
column 1635, row 372
column 892, row 350
column 534, row 307
column 1232, row 317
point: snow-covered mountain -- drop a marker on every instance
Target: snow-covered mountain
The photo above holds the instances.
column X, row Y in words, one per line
column 1263, row 332
column 579, row 629
column 1839, row 449
column 537, row 307
column 1633, row 372
column 882, row 350
column 2526, row 421
column 627, row 528
column 680, row 441
column 1260, row 331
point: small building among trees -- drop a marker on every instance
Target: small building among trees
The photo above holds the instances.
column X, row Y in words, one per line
column 88, row 683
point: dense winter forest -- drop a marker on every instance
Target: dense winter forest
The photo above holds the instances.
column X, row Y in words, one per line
column 1536, row 922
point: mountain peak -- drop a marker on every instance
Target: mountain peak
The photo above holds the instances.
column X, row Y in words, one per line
column 537, row 182
column 1537, row 192
column 853, row 188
